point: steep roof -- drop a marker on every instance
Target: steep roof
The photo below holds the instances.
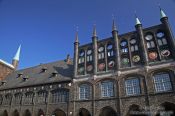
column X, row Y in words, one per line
column 36, row 76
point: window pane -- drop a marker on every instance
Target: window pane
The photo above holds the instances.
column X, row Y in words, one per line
column 164, row 41
column 132, row 86
column 162, row 82
column 84, row 91
column 107, row 89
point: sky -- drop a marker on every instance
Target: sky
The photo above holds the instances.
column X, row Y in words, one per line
column 46, row 28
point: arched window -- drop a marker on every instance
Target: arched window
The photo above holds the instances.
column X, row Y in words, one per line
column 1, row 99
column 89, row 59
column 7, row 99
column 29, row 98
column 42, row 97
column 89, row 55
column 132, row 86
column 125, row 60
column 81, row 56
column 161, row 38
column 110, row 56
column 165, row 50
column 59, row 95
column 151, row 46
column 107, row 89
column 18, row 98
column 84, row 91
column 135, row 51
column 101, row 52
column 81, row 60
column 162, row 82
column 110, row 50
column 133, row 44
column 150, row 41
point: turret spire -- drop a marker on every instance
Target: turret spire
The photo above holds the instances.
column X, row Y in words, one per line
column 76, row 37
column 114, row 28
column 94, row 31
column 17, row 55
column 162, row 13
column 137, row 20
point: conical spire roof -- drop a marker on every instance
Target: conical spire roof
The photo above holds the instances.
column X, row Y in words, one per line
column 162, row 13
column 76, row 37
column 17, row 55
column 114, row 28
column 94, row 34
column 137, row 19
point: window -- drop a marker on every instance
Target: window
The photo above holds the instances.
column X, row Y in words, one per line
column 101, row 54
column 84, row 91
column 133, row 44
column 81, row 57
column 161, row 38
column 18, row 98
column 8, row 99
column 162, row 82
column 132, row 86
column 110, row 50
column 89, row 55
column 1, row 99
column 59, row 96
column 124, row 46
column 42, row 97
column 29, row 98
column 107, row 89
column 149, row 40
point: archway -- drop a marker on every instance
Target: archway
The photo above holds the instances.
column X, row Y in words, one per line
column 84, row 112
column 5, row 113
column 134, row 110
column 107, row 111
column 27, row 113
column 167, row 109
column 58, row 112
column 40, row 112
column 15, row 113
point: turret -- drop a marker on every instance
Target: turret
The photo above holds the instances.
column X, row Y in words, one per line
column 165, row 22
column 95, row 47
column 139, row 29
column 76, row 45
column 116, row 42
column 15, row 60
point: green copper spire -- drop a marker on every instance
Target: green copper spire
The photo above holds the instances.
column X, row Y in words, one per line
column 76, row 37
column 17, row 55
column 162, row 14
column 114, row 26
column 137, row 19
column 94, row 34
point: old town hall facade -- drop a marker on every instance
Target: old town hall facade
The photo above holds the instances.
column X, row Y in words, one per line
column 132, row 74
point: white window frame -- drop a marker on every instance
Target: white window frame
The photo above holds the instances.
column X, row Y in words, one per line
column 107, row 89
column 84, row 92
column 161, row 84
column 134, row 87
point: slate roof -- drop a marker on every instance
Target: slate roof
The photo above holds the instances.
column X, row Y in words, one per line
column 36, row 76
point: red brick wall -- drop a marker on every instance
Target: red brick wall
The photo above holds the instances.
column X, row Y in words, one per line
column 4, row 71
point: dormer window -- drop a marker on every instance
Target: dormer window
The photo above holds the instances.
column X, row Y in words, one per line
column 55, row 74
column 20, row 74
column 44, row 69
column 25, row 78
column 3, row 82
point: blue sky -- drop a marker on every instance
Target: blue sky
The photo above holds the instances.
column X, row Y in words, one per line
column 46, row 28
